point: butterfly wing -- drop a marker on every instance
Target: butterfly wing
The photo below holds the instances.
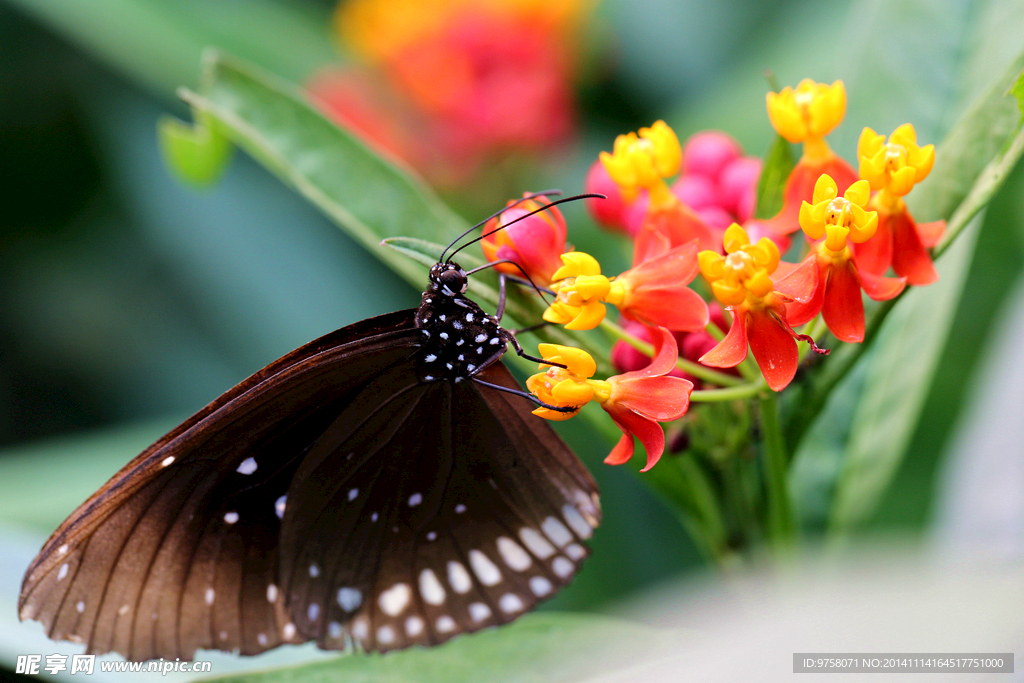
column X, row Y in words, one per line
column 178, row 551
column 445, row 509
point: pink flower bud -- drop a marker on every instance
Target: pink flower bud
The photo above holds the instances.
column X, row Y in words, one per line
column 609, row 213
column 696, row 191
column 708, row 152
column 737, row 182
column 716, row 217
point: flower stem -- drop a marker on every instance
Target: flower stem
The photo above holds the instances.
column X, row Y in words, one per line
column 781, row 526
column 729, row 394
column 696, row 369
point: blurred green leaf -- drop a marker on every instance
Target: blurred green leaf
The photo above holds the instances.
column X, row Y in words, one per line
column 160, row 42
column 777, row 165
column 366, row 195
column 198, row 153
column 546, row 646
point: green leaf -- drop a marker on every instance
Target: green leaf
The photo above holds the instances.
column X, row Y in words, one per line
column 369, row 197
column 545, row 646
column 777, row 165
column 198, row 154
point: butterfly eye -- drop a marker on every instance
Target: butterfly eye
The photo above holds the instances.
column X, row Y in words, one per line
column 452, row 282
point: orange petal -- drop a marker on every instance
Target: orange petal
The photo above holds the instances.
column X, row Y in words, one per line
column 679, row 224
column 649, row 432
column 875, row 255
column 881, row 288
column 674, row 306
column 800, row 282
column 774, row 349
column 662, row 399
column 843, row 308
column 931, row 233
column 731, row 351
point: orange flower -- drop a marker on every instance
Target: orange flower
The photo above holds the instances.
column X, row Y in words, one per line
column 534, row 243
column 636, row 401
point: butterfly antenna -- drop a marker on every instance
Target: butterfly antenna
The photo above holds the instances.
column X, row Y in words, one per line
column 564, row 200
column 532, row 195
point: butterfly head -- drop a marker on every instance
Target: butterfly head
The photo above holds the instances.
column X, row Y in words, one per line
column 448, row 279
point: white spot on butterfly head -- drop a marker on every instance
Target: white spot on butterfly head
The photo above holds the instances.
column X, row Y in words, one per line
column 231, row 517
column 443, row 335
column 430, row 358
column 470, row 368
column 415, row 499
column 313, row 612
column 479, row 611
column 63, row 571
column 248, row 466
column 458, row 577
column 540, row 586
column 484, row 569
column 314, row 571
column 352, row 493
column 480, row 338
column 513, row 554
column 442, row 317
column 385, row 635
column 456, row 324
column 445, row 624
column 510, row 603
column 395, row 599
column 495, row 341
column 350, row 598
column 469, row 317
column 288, row 631
column 271, row 593
column 430, row 588
column 209, row 596
column 167, row 461
column 279, row 506
column 413, row 626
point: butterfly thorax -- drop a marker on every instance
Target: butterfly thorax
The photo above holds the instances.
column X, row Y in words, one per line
column 459, row 338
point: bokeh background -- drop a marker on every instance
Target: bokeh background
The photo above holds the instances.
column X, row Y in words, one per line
column 128, row 300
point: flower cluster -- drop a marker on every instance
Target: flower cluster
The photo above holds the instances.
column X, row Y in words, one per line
column 856, row 226
column 434, row 79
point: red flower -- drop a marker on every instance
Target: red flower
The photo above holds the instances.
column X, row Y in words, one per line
column 535, row 243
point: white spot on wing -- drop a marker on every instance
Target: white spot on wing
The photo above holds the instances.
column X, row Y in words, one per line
column 334, row 630
column 458, row 577
column 556, row 531
column 350, row 598
column 563, row 567
column 430, row 588
column 460, row 508
column 513, row 554
column 167, row 461
column 279, row 505
column 479, row 611
column 80, row 606
column 63, row 549
column 413, row 626
column 395, row 599
column 537, row 544
column 445, row 624
column 63, row 571
column 575, row 551
column 540, row 586
column 209, row 596
column 484, row 569
column 510, row 603
column 288, row 631
column 576, row 521
column 261, row 638
column 415, row 499
column 123, row 610
column 271, row 593
column 313, row 612
column 314, row 571
column 248, row 466
column 360, row 628
column 231, row 517
column 352, row 493
column 385, row 635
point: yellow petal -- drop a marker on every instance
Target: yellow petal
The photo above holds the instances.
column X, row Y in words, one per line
column 835, row 237
column 728, row 294
column 592, row 286
column 712, row 265
column 571, row 393
column 902, row 181
column 812, row 226
column 760, row 284
column 905, row 135
column 558, row 313
column 590, row 316
column 865, row 225
column 869, row 143
column 922, row 159
column 858, row 193
column 577, row 263
column 735, row 238
column 824, row 189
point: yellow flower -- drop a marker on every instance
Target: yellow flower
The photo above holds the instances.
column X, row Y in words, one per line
column 741, row 275
column 643, row 162
column 563, row 387
column 837, row 218
column 897, row 166
column 809, row 112
column 580, row 288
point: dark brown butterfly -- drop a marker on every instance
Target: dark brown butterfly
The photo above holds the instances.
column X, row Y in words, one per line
column 380, row 486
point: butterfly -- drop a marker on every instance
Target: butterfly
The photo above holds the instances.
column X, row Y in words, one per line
column 380, row 487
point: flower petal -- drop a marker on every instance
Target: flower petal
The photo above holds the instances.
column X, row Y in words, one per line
column 801, row 282
column 909, row 256
column 731, row 351
column 674, row 306
column 931, row 233
column 649, row 432
column 677, row 222
column 875, row 255
column 843, row 308
column 774, row 349
column 881, row 288
column 662, row 399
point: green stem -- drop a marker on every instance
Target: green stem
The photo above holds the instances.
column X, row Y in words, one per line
column 730, row 394
column 781, row 526
column 696, row 369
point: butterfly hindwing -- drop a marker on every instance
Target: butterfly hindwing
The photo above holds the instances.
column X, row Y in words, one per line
column 464, row 514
